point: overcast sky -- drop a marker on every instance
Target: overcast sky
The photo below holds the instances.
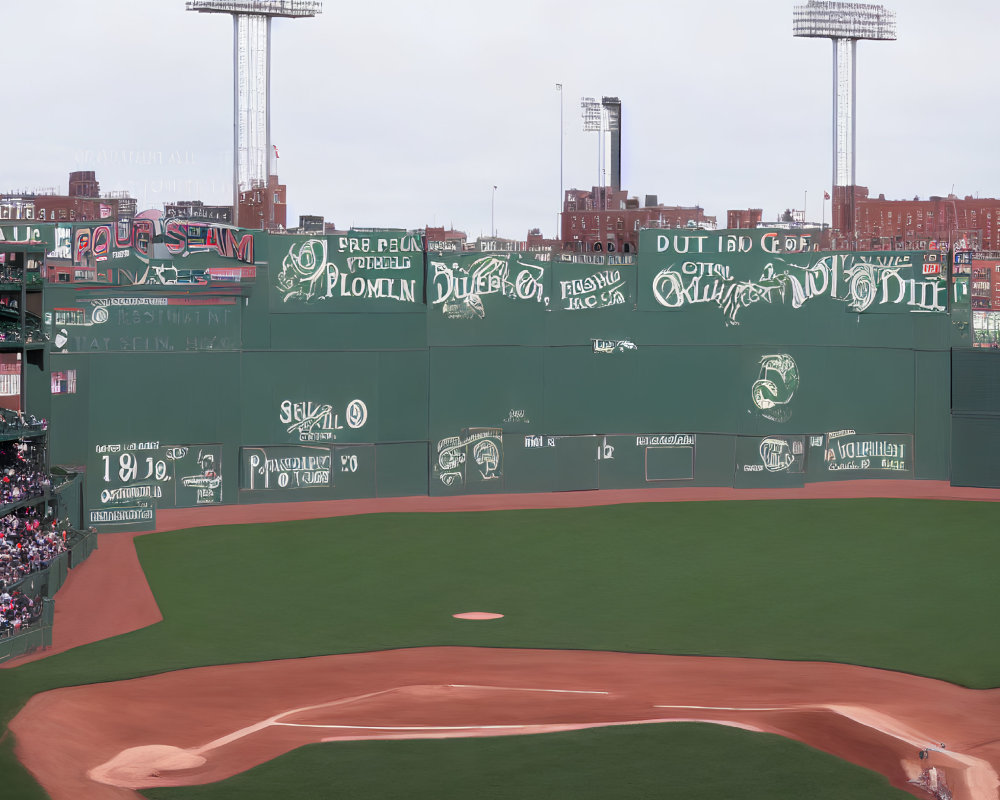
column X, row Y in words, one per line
column 404, row 114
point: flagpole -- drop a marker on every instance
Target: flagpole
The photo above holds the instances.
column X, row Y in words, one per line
column 822, row 224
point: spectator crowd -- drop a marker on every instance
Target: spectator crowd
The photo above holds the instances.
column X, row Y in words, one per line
column 17, row 611
column 10, row 329
column 22, row 471
column 28, row 544
column 30, row 537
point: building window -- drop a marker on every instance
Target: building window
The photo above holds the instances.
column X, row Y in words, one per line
column 64, row 382
column 10, row 384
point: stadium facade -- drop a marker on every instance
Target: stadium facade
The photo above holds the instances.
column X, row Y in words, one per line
column 192, row 363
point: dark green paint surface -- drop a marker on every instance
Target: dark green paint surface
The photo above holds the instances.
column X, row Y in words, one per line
column 763, row 338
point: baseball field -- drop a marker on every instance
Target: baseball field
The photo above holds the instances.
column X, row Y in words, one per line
column 838, row 647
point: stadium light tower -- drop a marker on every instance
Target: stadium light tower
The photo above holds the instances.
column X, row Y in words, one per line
column 845, row 24
column 612, row 107
column 252, row 151
column 605, row 116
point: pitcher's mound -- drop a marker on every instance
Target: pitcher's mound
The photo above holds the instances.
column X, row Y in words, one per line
column 140, row 767
column 477, row 615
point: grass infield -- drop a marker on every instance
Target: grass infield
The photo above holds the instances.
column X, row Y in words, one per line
column 896, row 584
column 691, row 761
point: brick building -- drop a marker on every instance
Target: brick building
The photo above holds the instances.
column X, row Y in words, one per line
column 608, row 220
column 263, row 207
column 937, row 223
column 83, row 202
column 536, row 241
column 439, row 240
column 744, row 217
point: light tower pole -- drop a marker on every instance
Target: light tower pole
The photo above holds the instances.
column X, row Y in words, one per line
column 604, row 117
column 562, row 193
column 844, row 24
column 590, row 110
column 252, row 151
column 612, row 120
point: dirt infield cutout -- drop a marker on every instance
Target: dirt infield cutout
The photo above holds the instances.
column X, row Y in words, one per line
column 206, row 724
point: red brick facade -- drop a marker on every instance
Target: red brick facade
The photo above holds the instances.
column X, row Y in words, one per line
column 939, row 222
column 744, row 217
column 444, row 241
column 84, row 202
column 263, row 207
column 608, row 220
column 60, row 208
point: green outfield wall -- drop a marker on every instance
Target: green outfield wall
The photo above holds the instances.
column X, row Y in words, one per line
column 221, row 366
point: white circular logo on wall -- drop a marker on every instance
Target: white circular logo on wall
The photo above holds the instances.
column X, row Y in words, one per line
column 99, row 315
column 357, row 414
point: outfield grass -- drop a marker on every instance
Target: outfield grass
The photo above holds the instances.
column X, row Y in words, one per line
column 903, row 585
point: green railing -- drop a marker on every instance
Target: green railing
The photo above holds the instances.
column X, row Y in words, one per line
column 29, row 639
column 81, row 545
column 67, row 491
column 46, row 583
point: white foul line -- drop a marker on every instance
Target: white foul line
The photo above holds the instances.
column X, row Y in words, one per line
column 520, row 689
column 413, row 727
column 239, row 734
column 738, row 708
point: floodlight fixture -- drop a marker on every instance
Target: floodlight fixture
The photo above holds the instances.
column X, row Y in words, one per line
column 612, row 121
column 612, row 113
column 824, row 19
column 270, row 8
column 605, row 116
